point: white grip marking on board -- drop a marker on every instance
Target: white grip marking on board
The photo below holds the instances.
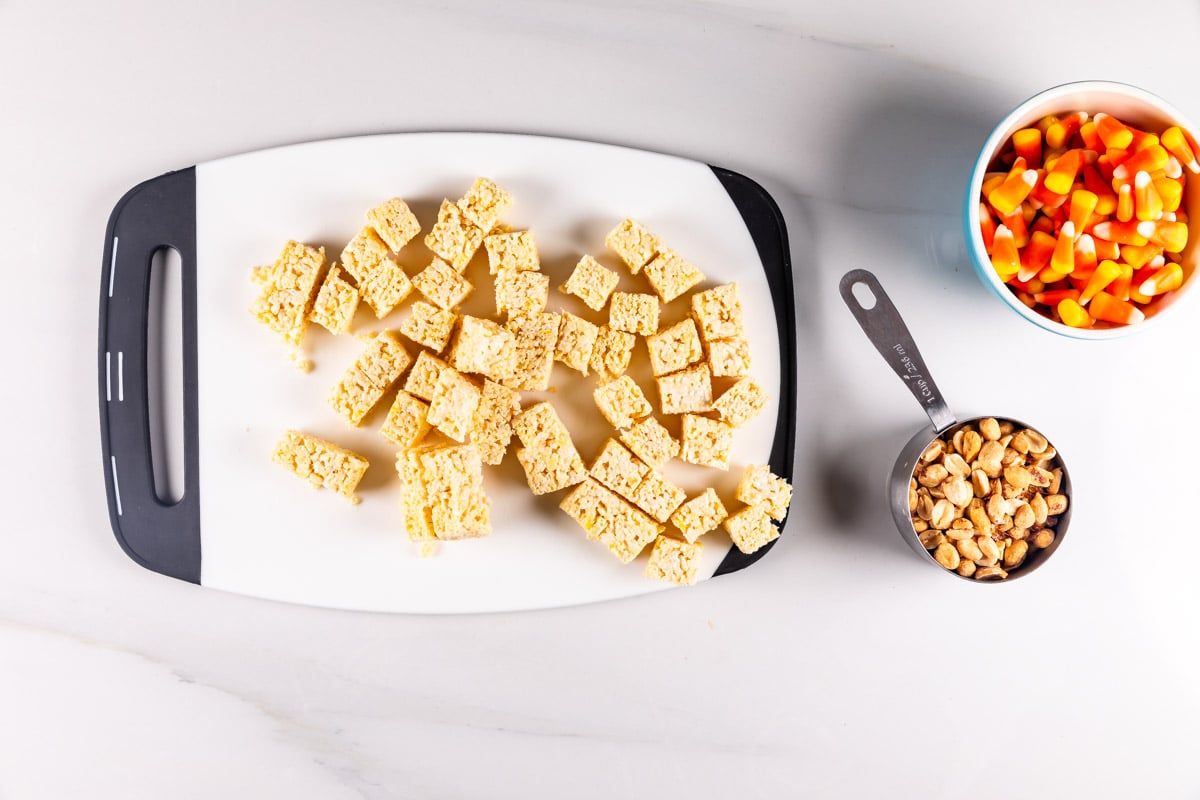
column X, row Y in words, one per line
column 112, row 267
column 116, row 484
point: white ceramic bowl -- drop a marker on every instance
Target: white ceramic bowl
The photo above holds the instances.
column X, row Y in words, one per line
column 1129, row 104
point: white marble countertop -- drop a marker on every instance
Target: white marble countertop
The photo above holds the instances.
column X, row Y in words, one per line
column 840, row 666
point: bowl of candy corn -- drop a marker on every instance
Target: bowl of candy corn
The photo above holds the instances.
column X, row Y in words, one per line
column 1078, row 209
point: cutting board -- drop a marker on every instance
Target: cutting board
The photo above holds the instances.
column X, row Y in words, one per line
column 243, row 524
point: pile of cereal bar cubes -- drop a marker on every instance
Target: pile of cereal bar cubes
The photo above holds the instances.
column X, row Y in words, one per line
column 452, row 382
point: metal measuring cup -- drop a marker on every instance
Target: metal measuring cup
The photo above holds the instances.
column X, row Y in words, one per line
column 886, row 330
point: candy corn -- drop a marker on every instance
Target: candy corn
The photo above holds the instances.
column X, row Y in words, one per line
column 1073, row 314
column 1082, row 216
column 1107, row 308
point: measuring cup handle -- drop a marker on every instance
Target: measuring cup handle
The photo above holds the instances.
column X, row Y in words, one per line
column 886, row 330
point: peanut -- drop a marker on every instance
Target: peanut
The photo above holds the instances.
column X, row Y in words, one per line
column 1040, row 509
column 1014, row 554
column 1024, row 516
column 989, row 459
column 980, row 521
column 943, row 514
column 946, row 555
column 1043, row 538
column 1037, row 442
column 958, row 491
column 1040, row 477
column 1018, row 477
column 960, row 529
column 931, row 538
column 986, row 573
column 967, row 548
column 980, row 482
column 972, row 441
column 924, row 506
column 989, row 551
column 981, row 498
column 932, row 475
column 956, row 465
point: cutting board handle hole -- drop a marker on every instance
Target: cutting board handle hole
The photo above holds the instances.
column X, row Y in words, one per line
column 863, row 295
column 164, row 374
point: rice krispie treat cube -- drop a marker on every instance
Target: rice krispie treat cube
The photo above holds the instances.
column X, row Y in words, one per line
column 384, row 360
column 610, row 357
column 674, row 561
column 650, row 442
column 741, row 402
column 336, row 303
column 444, row 287
column 686, row 391
column 536, row 335
column 618, row 469
column 633, row 243
column 671, row 275
column 591, row 282
column 395, row 223
column 521, row 294
column 485, row 348
column 750, row 528
column 429, row 325
column 418, row 517
column 513, row 252
column 701, row 514
column 540, row 427
column 422, row 379
column 452, row 409
column 674, row 348
column 658, row 496
column 453, row 478
column 385, row 288
column 354, row 396
column 760, row 486
column 576, row 341
column 551, row 469
column 491, row 430
column 718, row 312
column 729, row 358
column 484, row 202
column 407, row 420
column 365, row 253
column 633, row 312
column 589, row 502
column 622, row 402
column 367, row 380
column 288, row 290
column 321, row 463
column 454, row 237
column 549, row 457
column 612, row 521
column 706, row 442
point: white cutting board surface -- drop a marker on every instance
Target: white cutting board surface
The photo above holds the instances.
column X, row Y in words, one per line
column 265, row 533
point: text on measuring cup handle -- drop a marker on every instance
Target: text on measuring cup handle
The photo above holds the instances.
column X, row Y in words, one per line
column 913, row 375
